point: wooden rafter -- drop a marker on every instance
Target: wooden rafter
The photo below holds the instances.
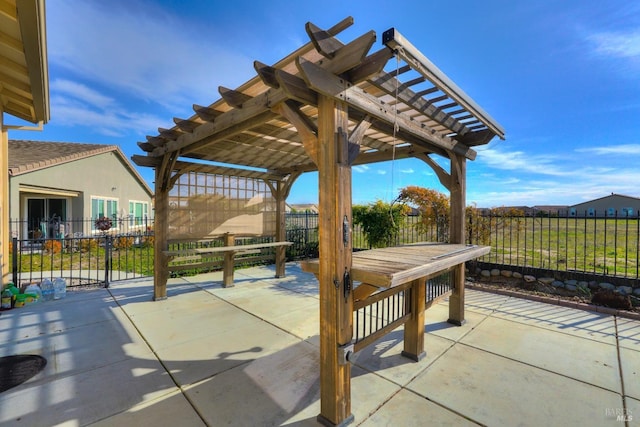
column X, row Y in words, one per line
column 333, row 86
column 394, row 40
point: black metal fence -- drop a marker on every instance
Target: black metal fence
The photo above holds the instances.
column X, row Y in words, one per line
column 79, row 252
column 601, row 245
column 594, row 243
column 604, row 244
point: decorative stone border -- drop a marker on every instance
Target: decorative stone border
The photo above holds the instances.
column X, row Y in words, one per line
column 570, row 285
column 555, row 301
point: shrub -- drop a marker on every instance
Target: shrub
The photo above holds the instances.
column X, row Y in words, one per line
column 87, row 245
column 52, row 246
column 380, row 221
column 123, row 242
column 147, row 241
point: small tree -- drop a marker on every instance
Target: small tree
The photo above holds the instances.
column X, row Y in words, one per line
column 380, row 221
column 433, row 206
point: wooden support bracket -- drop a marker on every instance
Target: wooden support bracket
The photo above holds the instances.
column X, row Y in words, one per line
column 307, row 130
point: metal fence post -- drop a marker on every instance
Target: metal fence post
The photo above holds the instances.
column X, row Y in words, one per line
column 107, row 259
column 14, row 261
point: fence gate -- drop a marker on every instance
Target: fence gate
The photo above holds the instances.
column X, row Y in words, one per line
column 82, row 261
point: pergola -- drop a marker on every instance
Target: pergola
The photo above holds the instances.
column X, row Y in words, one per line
column 327, row 107
column 24, row 89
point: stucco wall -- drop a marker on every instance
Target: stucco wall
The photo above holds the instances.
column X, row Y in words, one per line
column 606, row 205
column 103, row 175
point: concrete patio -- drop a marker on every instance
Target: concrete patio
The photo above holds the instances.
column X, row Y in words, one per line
column 248, row 356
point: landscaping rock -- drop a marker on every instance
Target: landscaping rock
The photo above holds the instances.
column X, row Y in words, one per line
column 571, row 288
column 485, row 273
column 557, row 284
column 506, row 273
column 495, row 272
column 593, row 285
column 516, row 275
column 606, row 286
column 624, row 290
column 583, row 284
column 546, row 280
column 636, row 291
column 571, row 282
column 529, row 279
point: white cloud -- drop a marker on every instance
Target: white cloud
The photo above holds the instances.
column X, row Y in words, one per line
column 361, row 168
column 81, row 92
column 624, row 149
column 617, row 44
column 410, row 170
column 141, row 50
column 76, row 105
column 544, row 164
column 584, row 184
column 107, row 122
column 381, row 172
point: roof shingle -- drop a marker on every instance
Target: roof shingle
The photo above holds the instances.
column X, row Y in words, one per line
column 27, row 156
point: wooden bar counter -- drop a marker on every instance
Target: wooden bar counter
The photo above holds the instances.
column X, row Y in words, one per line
column 393, row 266
column 407, row 269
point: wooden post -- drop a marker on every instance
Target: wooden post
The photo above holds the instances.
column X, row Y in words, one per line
column 5, row 237
column 336, row 304
column 414, row 328
column 227, row 268
column 457, row 233
column 161, row 229
column 281, row 234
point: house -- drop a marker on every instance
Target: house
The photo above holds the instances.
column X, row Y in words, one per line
column 613, row 205
column 550, row 210
column 302, row 208
column 52, row 183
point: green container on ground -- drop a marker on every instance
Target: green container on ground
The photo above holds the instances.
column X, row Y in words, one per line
column 21, row 300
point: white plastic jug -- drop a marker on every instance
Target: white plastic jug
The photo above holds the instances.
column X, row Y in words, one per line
column 47, row 290
column 59, row 288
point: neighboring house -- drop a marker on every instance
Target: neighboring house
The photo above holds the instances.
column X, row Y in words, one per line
column 553, row 210
column 302, row 208
column 55, row 182
column 609, row 206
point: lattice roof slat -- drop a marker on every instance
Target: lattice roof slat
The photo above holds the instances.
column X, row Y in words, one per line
column 406, row 101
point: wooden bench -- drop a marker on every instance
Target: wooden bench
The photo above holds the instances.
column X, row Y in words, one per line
column 229, row 251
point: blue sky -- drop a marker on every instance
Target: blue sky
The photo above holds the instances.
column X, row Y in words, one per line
column 561, row 77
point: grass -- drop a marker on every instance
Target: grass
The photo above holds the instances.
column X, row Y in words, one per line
column 602, row 246
column 138, row 260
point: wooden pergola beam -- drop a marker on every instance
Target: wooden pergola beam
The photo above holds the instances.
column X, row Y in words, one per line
column 182, row 166
column 331, row 85
column 254, row 112
column 394, row 40
column 393, row 87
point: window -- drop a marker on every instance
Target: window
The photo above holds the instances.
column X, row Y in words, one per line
column 627, row 212
column 572, row 212
column 611, row 212
column 138, row 213
column 101, row 206
column 591, row 212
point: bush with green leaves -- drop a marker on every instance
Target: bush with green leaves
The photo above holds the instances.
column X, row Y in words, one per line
column 380, row 221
